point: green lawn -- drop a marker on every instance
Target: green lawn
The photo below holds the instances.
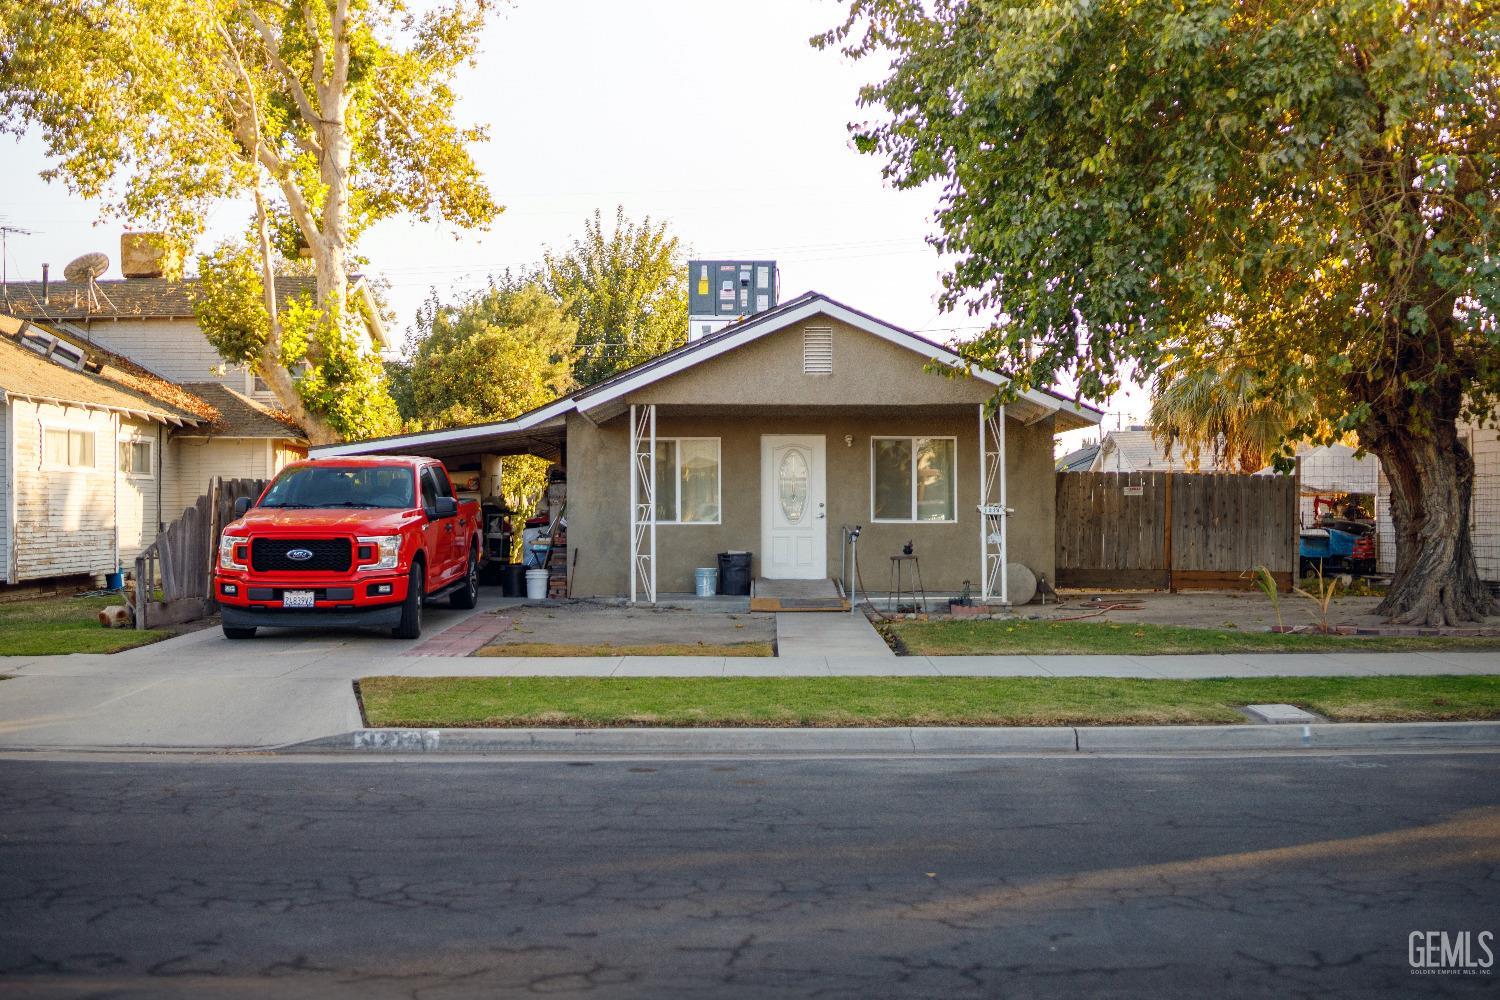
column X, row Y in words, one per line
column 899, row 701
column 51, row 625
column 960, row 638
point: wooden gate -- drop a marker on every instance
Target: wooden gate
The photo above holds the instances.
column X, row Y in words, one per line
column 179, row 564
column 1174, row 530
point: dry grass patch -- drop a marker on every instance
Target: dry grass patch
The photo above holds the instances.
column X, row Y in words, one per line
column 606, row 649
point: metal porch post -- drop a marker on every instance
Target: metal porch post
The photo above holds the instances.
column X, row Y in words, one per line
column 633, row 447
column 984, row 518
column 651, row 465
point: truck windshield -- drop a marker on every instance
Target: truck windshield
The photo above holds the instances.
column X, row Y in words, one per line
column 342, row 486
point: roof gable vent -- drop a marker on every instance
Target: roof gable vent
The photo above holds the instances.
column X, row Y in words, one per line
column 817, row 351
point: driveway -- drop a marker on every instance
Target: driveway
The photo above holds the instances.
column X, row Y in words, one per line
column 202, row 690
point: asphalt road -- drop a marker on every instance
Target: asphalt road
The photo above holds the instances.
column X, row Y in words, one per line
column 980, row 877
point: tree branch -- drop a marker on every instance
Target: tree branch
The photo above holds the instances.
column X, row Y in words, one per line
column 299, row 95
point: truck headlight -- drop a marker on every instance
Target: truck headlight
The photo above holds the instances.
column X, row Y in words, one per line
column 227, row 545
column 387, row 551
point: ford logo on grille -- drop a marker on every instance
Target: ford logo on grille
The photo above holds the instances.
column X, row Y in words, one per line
column 299, row 555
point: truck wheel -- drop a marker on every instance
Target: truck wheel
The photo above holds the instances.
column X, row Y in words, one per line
column 467, row 596
column 239, row 632
column 411, row 608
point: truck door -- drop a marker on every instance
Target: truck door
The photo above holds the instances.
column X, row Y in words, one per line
column 458, row 537
column 436, row 533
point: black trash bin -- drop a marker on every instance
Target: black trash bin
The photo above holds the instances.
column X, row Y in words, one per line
column 734, row 574
column 513, row 580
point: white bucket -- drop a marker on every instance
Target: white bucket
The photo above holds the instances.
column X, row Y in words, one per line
column 536, row 584
column 706, row 581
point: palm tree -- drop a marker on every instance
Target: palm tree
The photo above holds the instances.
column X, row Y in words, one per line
column 1227, row 412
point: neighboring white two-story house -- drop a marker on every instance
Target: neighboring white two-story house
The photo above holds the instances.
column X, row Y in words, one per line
column 116, row 414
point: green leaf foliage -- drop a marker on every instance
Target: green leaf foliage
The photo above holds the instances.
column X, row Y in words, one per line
column 491, row 355
column 626, row 288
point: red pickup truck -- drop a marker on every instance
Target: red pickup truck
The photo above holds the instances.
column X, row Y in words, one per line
column 348, row 542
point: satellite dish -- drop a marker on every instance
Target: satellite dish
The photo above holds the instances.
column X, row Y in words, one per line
column 85, row 269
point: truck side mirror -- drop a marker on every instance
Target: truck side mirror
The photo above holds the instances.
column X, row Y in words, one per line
column 241, row 506
column 446, row 507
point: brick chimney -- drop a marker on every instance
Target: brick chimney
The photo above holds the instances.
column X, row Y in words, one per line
column 144, row 255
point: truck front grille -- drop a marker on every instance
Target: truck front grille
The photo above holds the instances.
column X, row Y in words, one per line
column 329, row 555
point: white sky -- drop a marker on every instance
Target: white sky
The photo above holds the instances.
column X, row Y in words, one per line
column 717, row 117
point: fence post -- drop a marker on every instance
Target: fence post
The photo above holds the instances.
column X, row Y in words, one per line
column 215, row 488
column 1166, row 539
column 141, row 563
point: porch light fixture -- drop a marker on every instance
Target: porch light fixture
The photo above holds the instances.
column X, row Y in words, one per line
column 848, row 440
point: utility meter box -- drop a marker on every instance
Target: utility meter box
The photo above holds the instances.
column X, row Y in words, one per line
column 728, row 289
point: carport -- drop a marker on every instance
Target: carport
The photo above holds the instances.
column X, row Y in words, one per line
column 475, row 456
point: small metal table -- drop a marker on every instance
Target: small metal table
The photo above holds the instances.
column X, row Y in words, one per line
column 898, row 565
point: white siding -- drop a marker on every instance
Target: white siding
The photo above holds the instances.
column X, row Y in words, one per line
column 65, row 519
column 196, row 461
column 5, row 493
column 137, row 494
column 172, row 348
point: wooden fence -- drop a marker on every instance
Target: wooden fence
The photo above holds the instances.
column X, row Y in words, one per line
column 1174, row 531
column 180, row 562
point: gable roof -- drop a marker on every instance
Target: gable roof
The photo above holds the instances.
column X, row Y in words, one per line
column 1072, row 414
column 25, row 374
column 240, row 416
column 794, row 310
column 153, row 298
column 1136, row 450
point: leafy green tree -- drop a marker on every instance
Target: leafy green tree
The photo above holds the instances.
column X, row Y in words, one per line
column 1303, row 188
column 331, row 115
column 627, row 289
column 1227, row 413
column 491, row 355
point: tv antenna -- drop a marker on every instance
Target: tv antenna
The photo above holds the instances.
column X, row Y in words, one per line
column 5, row 234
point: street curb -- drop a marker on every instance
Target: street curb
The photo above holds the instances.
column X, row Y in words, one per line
column 914, row 741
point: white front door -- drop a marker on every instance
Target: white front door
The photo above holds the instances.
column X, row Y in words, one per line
column 793, row 507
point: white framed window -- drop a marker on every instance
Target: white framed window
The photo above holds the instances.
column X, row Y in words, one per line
column 688, row 486
column 914, row 479
column 67, row 448
column 137, row 458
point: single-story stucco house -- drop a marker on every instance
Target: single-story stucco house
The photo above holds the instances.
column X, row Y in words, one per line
column 771, row 436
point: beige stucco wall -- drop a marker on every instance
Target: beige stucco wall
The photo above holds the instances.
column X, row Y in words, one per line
column 876, row 389
column 866, row 370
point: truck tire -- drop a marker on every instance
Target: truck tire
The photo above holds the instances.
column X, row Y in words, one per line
column 467, row 595
column 411, row 608
column 239, row 632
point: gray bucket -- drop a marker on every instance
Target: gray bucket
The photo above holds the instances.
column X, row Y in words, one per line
column 706, row 581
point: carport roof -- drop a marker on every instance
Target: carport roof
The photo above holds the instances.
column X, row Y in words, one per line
column 545, row 426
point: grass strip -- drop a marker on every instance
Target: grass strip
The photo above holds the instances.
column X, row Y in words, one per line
column 49, row 626
column 493, row 702
column 979, row 638
column 605, row 649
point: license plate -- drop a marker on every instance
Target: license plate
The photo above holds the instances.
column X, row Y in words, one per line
column 296, row 598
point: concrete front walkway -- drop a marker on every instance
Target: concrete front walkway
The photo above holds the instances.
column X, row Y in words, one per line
column 800, row 635
column 201, row 690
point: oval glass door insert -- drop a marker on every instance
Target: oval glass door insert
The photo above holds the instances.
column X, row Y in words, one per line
column 791, row 479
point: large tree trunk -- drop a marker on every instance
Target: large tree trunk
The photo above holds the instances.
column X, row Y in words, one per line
column 1432, row 481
